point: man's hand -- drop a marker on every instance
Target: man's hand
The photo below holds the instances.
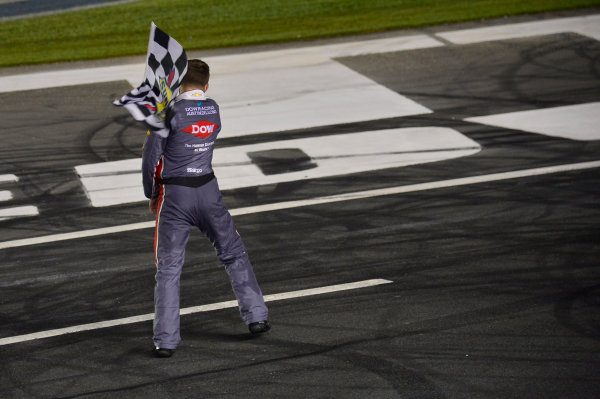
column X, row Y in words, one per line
column 153, row 205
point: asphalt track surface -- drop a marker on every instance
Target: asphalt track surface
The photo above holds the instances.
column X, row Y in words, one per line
column 495, row 286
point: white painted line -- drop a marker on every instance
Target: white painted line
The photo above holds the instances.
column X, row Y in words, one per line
column 586, row 26
column 313, row 54
column 329, row 93
column 110, row 168
column 72, row 77
column 8, row 179
column 347, row 153
column 223, row 66
column 575, row 122
column 18, row 212
column 119, row 182
column 190, row 310
column 273, row 99
column 418, row 187
column 321, row 200
column 5, row 195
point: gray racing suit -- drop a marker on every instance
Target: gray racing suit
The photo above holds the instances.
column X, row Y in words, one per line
column 177, row 169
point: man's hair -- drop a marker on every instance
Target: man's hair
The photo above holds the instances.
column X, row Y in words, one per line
column 197, row 74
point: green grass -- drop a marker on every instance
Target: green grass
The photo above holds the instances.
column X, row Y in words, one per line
column 123, row 29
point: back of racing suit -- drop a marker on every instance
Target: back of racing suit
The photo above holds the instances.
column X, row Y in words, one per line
column 177, row 169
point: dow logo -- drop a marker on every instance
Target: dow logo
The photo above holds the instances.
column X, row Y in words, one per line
column 201, row 129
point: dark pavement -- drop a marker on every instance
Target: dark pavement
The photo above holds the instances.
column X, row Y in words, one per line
column 495, row 287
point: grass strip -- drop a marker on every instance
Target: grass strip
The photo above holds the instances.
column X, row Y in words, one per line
column 122, row 30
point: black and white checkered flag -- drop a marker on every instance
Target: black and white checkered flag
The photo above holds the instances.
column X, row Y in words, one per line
column 166, row 64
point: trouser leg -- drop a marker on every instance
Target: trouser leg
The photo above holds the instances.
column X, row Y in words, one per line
column 245, row 287
column 220, row 229
column 172, row 236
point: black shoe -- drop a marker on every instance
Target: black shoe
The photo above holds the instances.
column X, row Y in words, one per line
column 259, row 327
column 163, row 352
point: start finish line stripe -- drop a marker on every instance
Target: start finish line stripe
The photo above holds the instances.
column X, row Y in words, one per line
column 190, row 310
column 320, row 200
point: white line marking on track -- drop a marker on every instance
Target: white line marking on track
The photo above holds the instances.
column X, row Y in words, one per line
column 190, row 310
column 18, row 212
column 575, row 122
column 273, row 99
column 230, row 65
column 5, row 195
column 320, row 200
column 118, row 182
column 8, row 179
column 588, row 25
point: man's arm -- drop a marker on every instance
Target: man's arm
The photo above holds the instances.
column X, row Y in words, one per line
column 151, row 155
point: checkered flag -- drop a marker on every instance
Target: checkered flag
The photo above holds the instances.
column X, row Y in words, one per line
column 166, row 64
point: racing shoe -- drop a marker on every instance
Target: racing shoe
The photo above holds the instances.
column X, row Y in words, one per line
column 163, row 352
column 259, row 327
